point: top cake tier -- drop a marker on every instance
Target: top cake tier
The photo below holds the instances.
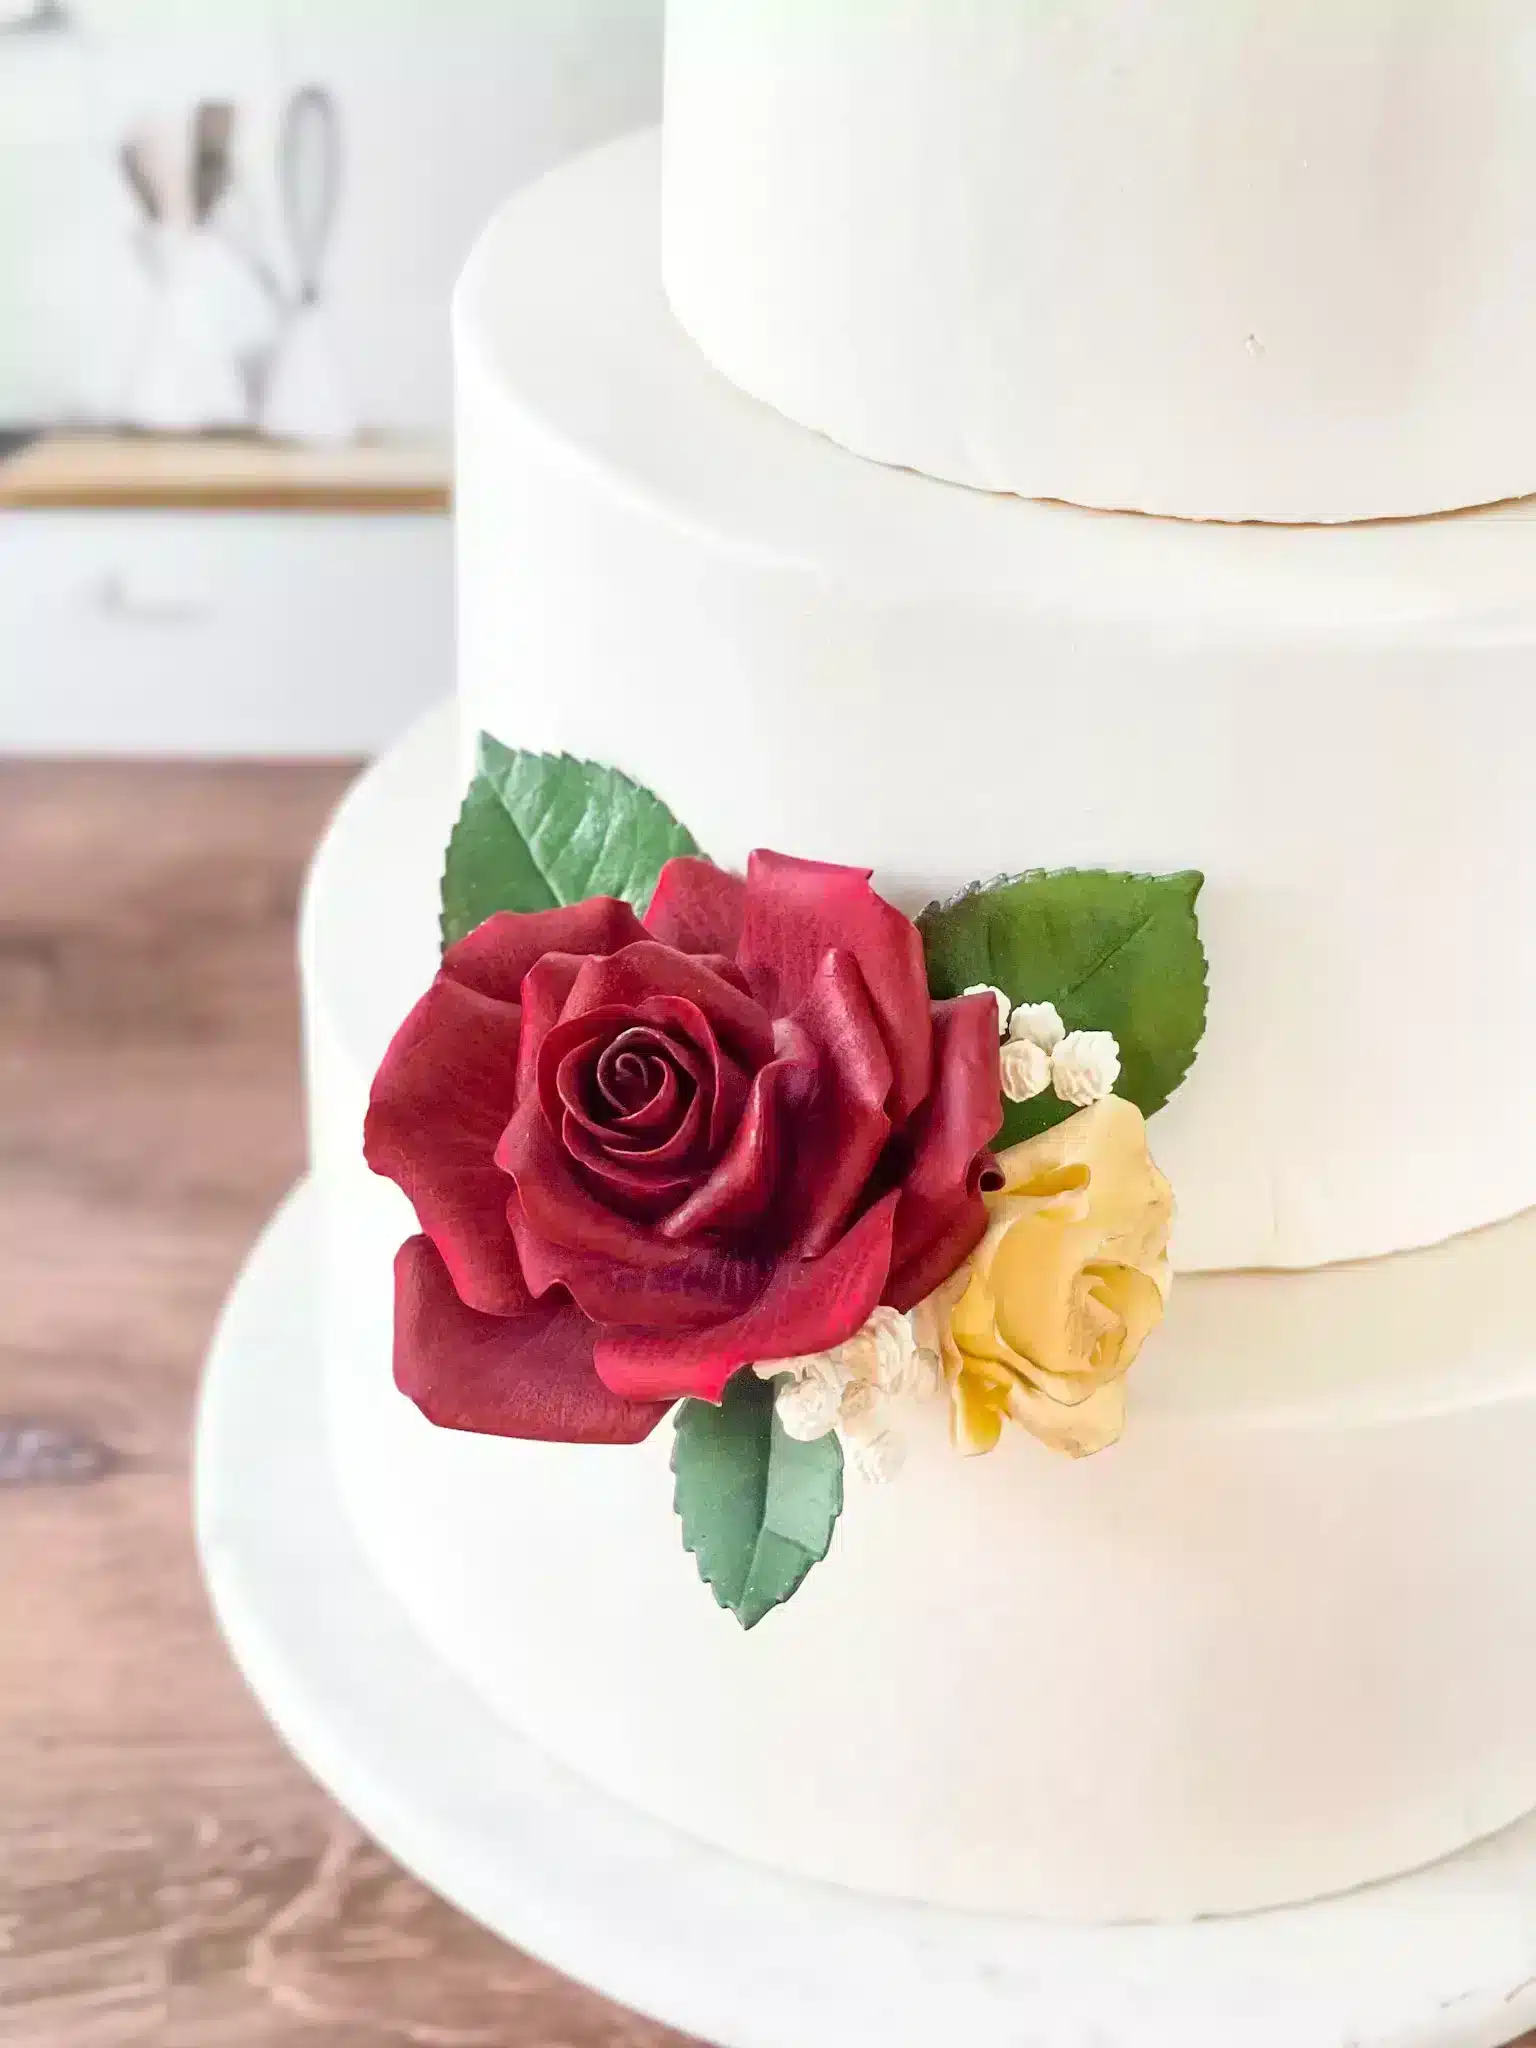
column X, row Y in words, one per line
column 1223, row 259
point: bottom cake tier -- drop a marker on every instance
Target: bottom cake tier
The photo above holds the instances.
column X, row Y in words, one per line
column 1279, row 1641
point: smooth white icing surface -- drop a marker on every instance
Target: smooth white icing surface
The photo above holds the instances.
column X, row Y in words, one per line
column 803, row 650
column 1279, row 1641
column 1229, row 259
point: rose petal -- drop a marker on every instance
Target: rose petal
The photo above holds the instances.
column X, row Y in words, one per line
column 743, row 1185
column 557, row 1203
column 643, row 1087
column 626, row 979
column 941, row 1218
column 577, row 1044
column 697, row 907
column 808, row 1305
column 567, row 1041
column 696, row 1285
column 529, row 1375
column 799, row 911
column 814, row 1128
column 496, row 956
column 682, row 1151
column 546, row 990
column 645, row 1186
column 727, row 1083
column 840, row 1131
column 641, row 1079
column 631, row 1081
column 439, row 1103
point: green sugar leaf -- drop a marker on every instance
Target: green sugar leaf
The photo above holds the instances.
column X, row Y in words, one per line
column 538, row 830
column 1118, row 953
column 757, row 1508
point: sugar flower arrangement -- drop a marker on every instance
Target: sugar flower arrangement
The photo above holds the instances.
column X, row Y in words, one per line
column 762, row 1154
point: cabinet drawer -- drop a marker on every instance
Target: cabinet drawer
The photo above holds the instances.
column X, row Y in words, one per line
column 220, row 633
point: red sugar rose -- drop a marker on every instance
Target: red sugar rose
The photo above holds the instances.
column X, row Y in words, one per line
column 645, row 1154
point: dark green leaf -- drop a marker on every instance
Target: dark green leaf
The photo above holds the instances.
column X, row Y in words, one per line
column 758, row 1509
column 538, row 830
column 1118, row 953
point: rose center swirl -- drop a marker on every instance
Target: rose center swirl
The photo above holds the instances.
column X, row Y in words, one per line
column 631, row 1090
column 639, row 1082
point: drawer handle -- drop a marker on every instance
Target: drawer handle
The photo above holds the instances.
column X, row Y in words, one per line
column 151, row 597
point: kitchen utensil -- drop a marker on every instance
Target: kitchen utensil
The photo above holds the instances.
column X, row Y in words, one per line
column 309, row 156
column 223, row 206
column 141, row 180
column 235, row 222
column 156, row 164
column 304, row 399
column 238, row 229
column 213, row 127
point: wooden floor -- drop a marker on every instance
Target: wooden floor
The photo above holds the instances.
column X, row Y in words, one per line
column 167, row 1874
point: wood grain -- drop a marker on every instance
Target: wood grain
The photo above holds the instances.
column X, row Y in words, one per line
column 167, row 1874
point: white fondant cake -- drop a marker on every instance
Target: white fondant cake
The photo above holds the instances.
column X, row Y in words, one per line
column 1280, row 1640
column 1270, row 259
column 801, row 650
column 1230, row 259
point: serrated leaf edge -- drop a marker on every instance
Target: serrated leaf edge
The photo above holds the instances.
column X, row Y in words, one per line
column 614, row 779
column 1192, row 878
column 943, row 903
column 444, row 941
column 495, row 760
column 692, row 1548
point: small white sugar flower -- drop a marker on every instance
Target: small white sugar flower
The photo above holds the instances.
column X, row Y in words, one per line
column 861, row 1413
column 1037, row 1024
column 872, row 1449
column 1026, row 1069
column 1085, row 1067
column 1003, row 1002
column 826, row 1365
column 847, row 1388
column 884, row 1352
column 877, row 1459
column 808, row 1408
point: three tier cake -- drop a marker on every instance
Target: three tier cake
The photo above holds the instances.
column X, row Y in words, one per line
column 955, row 1067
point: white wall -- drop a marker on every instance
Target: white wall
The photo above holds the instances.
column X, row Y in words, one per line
column 446, row 105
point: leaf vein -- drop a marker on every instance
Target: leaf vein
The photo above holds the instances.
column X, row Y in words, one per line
column 1107, row 958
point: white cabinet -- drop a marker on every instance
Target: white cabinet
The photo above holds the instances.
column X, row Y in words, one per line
column 220, row 632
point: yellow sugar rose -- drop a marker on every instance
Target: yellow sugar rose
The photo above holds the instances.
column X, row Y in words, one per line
column 1046, row 1317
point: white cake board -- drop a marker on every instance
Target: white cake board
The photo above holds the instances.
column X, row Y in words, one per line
column 735, row 1954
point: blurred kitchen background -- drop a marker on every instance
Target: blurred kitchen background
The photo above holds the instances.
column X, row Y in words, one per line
column 229, row 230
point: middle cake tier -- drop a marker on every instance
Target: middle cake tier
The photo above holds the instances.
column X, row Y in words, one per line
column 801, row 650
